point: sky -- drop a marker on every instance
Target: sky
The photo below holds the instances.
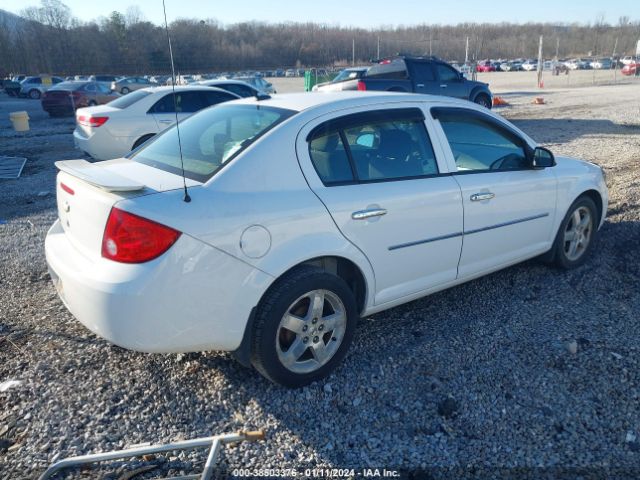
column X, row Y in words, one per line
column 367, row 14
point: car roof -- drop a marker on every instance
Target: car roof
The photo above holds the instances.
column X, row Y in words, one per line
column 331, row 101
column 183, row 88
column 224, row 82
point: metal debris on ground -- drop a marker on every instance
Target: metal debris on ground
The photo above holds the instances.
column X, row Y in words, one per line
column 213, row 443
column 11, row 167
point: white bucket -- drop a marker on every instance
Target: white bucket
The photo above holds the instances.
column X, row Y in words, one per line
column 20, row 121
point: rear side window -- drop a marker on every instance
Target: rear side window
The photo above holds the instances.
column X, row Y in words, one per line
column 129, row 99
column 185, row 102
column 375, row 146
column 423, row 71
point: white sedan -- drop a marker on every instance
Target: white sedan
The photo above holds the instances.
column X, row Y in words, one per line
column 115, row 129
column 299, row 214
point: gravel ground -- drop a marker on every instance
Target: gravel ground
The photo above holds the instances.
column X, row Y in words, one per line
column 527, row 373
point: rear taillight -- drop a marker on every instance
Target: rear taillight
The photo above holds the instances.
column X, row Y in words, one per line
column 129, row 238
column 67, row 189
column 361, row 86
column 89, row 121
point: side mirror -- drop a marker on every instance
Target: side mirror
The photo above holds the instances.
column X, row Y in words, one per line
column 543, row 158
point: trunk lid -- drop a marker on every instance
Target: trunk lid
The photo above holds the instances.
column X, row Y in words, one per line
column 86, row 192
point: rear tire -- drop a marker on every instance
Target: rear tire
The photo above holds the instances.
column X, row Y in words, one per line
column 92, row 103
column 124, row 90
column 483, row 99
column 576, row 235
column 303, row 327
column 34, row 94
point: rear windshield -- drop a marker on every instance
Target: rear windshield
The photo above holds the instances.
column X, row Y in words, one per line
column 210, row 139
column 66, row 86
column 129, row 99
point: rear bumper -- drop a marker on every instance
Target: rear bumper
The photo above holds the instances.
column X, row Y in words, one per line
column 192, row 298
column 101, row 145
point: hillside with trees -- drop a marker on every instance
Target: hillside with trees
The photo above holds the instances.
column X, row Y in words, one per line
column 50, row 39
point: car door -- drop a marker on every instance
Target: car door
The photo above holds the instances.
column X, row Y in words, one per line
column 91, row 92
column 424, row 79
column 509, row 206
column 450, row 82
column 381, row 180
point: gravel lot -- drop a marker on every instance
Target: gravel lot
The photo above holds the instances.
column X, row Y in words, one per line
column 527, row 373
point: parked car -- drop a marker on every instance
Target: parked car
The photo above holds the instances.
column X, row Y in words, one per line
column 113, row 130
column 105, row 80
column 259, row 83
column 485, row 66
column 337, row 83
column 602, row 64
column 130, row 84
column 419, row 75
column 276, row 260
column 631, row 69
column 628, row 59
column 11, row 87
column 66, row 97
column 240, row 88
column 290, row 73
column 530, row 65
column 511, row 66
column 577, row 64
column 34, row 87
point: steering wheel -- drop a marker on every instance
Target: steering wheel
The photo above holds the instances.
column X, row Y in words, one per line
column 499, row 163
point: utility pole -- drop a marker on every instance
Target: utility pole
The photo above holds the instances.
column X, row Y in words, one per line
column 557, row 47
column 378, row 57
column 353, row 53
column 466, row 52
column 540, row 84
column 430, row 43
column 615, row 62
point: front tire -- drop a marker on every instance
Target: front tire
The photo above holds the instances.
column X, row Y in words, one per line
column 124, row 90
column 303, row 327
column 34, row 94
column 576, row 235
column 483, row 99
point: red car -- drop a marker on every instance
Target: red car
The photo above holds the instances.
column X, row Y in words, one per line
column 66, row 97
column 485, row 66
column 632, row 68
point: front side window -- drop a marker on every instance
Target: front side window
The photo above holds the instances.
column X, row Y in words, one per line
column 447, row 74
column 480, row 144
column 375, row 146
column 210, row 139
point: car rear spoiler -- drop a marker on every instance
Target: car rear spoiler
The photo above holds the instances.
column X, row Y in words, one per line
column 97, row 175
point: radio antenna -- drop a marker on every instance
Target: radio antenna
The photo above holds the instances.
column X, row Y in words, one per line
column 187, row 198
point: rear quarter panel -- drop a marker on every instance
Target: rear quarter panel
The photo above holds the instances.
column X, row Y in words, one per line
column 262, row 187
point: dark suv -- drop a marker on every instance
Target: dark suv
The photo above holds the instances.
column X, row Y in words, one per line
column 427, row 75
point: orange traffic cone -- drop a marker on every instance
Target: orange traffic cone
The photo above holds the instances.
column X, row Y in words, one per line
column 499, row 101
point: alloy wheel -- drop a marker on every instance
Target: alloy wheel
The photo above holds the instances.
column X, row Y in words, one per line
column 311, row 331
column 577, row 234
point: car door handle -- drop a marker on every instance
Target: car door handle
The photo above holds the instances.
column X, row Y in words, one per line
column 371, row 212
column 478, row 197
column 420, row 85
column 444, row 85
column 168, row 122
